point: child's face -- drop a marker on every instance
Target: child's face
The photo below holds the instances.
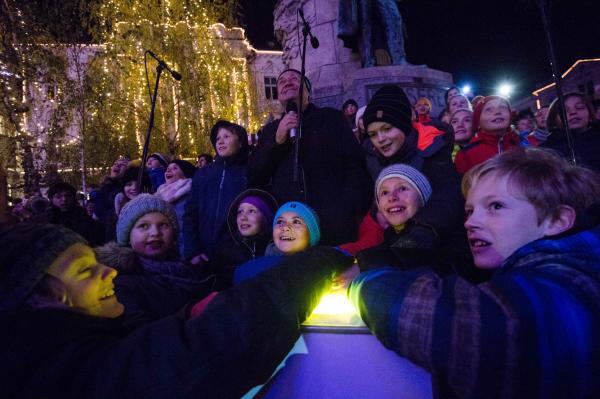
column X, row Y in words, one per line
column 250, row 221
column 495, row 115
column 290, row 233
column 499, row 221
column 422, row 108
column 173, row 173
column 386, row 138
column 152, row 236
column 131, row 189
column 89, row 284
column 398, row 201
column 227, row 143
column 462, row 123
column 153, row 163
column 578, row 115
column 457, row 102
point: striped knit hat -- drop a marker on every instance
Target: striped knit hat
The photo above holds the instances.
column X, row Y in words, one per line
column 307, row 214
column 390, row 104
column 138, row 207
column 409, row 174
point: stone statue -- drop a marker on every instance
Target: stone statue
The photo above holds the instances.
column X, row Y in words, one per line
column 286, row 27
column 366, row 25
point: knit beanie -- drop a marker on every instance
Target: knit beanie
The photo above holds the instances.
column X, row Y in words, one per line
column 59, row 187
column 138, row 207
column 479, row 109
column 260, row 204
column 28, row 250
column 265, row 202
column 232, row 127
column 409, row 174
column 424, row 100
column 186, row 167
column 164, row 161
column 307, row 214
column 390, row 104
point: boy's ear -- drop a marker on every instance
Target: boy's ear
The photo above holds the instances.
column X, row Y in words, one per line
column 564, row 221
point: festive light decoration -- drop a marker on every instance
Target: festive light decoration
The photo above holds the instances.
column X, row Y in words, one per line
column 99, row 108
column 215, row 84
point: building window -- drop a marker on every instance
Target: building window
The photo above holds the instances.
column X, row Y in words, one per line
column 271, row 88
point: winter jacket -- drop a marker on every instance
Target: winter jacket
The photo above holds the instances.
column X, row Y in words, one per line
column 177, row 194
column 332, row 178
column 482, row 147
column 443, row 215
column 151, row 289
column 104, row 207
column 429, row 129
column 214, row 188
column 370, row 234
column 586, row 145
column 76, row 219
column 530, row 331
column 233, row 345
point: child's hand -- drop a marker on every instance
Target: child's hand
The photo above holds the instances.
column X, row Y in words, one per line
column 343, row 279
column 199, row 260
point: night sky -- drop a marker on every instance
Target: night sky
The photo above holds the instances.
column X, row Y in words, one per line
column 481, row 42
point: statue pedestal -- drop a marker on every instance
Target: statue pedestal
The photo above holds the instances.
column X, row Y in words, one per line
column 336, row 73
column 337, row 83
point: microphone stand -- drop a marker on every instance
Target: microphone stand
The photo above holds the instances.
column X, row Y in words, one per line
column 305, row 33
column 159, row 69
column 544, row 7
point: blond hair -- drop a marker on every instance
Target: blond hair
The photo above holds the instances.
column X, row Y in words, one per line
column 544, row 178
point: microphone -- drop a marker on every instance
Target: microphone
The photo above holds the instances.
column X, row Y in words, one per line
column 176, row 75
column 292, row 107
column 314, row 42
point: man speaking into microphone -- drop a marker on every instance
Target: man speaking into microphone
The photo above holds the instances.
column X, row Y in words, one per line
column 332, row 174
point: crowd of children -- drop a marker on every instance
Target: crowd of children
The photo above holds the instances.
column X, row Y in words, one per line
column 198, row 288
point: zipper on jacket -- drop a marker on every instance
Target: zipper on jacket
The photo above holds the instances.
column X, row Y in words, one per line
column 219, row 199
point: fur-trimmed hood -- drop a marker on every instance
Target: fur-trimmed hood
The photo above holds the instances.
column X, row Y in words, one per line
column 121, row 258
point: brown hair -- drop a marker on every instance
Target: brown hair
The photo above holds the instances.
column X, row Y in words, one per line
column 554, row 117
column 545, row 179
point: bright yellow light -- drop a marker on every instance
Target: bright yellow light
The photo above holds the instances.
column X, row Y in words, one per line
column 335, row 309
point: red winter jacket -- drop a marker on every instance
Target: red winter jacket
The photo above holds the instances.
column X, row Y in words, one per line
column 370, row 234
column 483, row 146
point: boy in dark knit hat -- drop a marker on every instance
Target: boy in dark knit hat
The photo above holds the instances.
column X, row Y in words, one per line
column 62, row 335
column 395, row 141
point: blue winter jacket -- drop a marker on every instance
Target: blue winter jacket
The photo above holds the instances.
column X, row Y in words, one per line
column 214, row 188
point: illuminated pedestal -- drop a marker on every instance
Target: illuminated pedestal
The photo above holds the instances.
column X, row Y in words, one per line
column 337, row 357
